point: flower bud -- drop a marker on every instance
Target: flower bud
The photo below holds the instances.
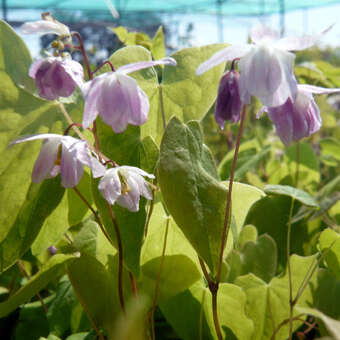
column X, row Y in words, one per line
column 56, row 77
column 228, row 104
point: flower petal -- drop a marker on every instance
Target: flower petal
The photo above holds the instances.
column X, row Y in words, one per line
column 44, row 27
column 93, row 89
column 46, row 159
column 131, row 169
column 227, row 54
column 74, row 70
column 36, row 137
column 262, row 32
column 145, row 64
column 110, row 186
column 71, row 170
column 317, row 89
column 300, row 43
column 130, row 200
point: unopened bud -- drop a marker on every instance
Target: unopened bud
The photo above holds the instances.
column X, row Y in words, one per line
column 228, row 104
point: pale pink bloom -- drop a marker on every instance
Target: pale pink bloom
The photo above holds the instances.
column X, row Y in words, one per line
column 117, row 98
column 65, row 155
column 56, row 77
column 125, row 185
column 300, row 118
column 266, row 65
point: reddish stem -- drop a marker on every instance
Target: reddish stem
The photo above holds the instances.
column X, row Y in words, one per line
column 83, row 52
column 107, row 62
column 133, row 284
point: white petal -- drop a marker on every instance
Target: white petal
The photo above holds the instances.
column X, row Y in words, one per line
column 130, row 200
column 74, row 70
column 36, row 137
column 46, row 159
column 262, row 32
column 260, row 72
column 227, row 54
column 145, row 64
column 317, row 89
column 44, row 27
column 300, row 43
column 127, row 169
column 110, row 186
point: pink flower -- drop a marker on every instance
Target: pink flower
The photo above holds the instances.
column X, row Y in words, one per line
column 56, row 77
column 125, row 185
column 65, row 155
column 266, row 65
column 117, row 98
column 300, row 118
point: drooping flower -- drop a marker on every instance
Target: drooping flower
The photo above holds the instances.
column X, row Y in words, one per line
column 117, row 98
column 125, row 185
column 266, row 65
column 298, row 119
column 46, row 26
column 56, row 77
column 228, row 103
column 65, row 155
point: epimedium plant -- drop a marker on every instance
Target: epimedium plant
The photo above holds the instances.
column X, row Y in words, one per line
column 139, row 222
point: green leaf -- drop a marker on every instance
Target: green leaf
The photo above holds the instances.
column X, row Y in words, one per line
column 195, row 199
column 96, row 288
column 190, row 313
column 268, row 304
column 286, row 190
column 149, row 154
column 181, row 92
column 60, row 310
column 330, row 147
column 270, row 215
column 329, row 244
column 248, row 233
column 309, row 167
column 15, row 58
column 82, row 336
column 258, row 257
column 38, row 206
column 52, row 269
column 158, row 44
column 179, row 257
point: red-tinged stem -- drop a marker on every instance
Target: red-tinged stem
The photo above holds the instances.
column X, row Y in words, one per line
column 154, row 304
column 96, row 216
column 133, row 284
column 66, row 132
column 120, row 258
column 228, row 205
column 107, row 62
column 83, row 52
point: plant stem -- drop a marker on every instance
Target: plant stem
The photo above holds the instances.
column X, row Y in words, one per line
column 284, row 322
column 154, row 304
column 297, row 159
column 83, row 52
column 106, row 62
column 23, row 270
column 291, row 304
column 120, row 259
column 133, row 284
column 228, row 205
column 146, row 228
column 162, row 105
column 96, row 216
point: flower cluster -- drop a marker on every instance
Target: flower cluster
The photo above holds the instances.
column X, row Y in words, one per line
column 115, row 96
column 266, row 72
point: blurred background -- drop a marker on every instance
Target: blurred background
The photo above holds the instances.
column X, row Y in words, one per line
column 185, row 22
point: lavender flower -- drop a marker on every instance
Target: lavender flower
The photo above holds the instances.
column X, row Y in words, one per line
column 65, row 155
column 56, row 77
column 298, row 119
column 228, row 104
column 266, row 65
column 125, row 185
column 117, row 98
